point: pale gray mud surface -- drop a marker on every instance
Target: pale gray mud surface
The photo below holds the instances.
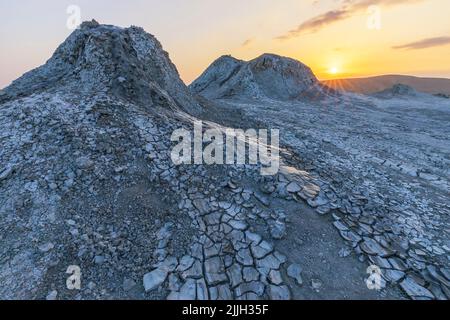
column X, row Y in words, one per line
column 310, row 239
column 87, row 180
column 383, row 171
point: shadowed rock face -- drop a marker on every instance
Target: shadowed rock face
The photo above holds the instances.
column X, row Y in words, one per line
column 126, row 62
column 268, row 76
column 211, row 82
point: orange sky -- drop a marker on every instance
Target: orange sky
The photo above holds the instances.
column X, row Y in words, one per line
column 331, row 36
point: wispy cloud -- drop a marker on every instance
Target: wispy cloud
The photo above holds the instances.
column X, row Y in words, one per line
column 348, row 9
column 316, row 23
column 364, row 4
column 247, row 42
column 425, row 43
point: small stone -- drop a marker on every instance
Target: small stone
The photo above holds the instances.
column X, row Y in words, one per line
column 228, row 260
column 188, row 291
column 185, row 263
column 202, row 205
column 433, row 271
column 6, row 173
column 267, row 189
column 279, row 292
column 446, row 273
column 275, row 277
column 197, row 251
column 372, row 247
column 237, row 238
column 269, row 262
column 128, row 284
column 233, row 210
column 350, row 236
column 250, row 274
column 253, row 237
column 398, row 264
column 221, row 292
column 437, row 292
column 52, row 295
column 323, row 210
column 212, row 218
column 262, row 198
column 215, row 271
column 393, row 275
column 414, row 290
column 235, row 274
column 224, row 205
column 202, row 290
column 278, row 230
column 261, row 250
column 174, row 282
column 154, row 279
column 84, row 163
column 120, row 169
column 238, row 225
column 31, row 186
column 165, row 232
column 281, row 257
column 232, row 185
column 293, row 187
column 249, row 296
column 320, row 201
column 345, row 252
column 99, row 259
column 169, row 264
column 74, row 232
column 173, row 296
column 46, row 247
column 256, row 287
column 438, row 251
column 69, row 183
column 295, row 272
column 316, row 284
column 244, row 257
column 195, row 271
column 212, row 251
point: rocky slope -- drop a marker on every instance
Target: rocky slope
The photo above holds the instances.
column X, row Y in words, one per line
column 268, row 76
column 81, row 146
column 126, row 63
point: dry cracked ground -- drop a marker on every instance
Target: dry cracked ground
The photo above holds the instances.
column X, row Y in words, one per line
column 86, row 179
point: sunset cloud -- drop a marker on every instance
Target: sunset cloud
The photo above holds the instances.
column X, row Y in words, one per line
column 348, row 9
column 317, row 23
column 425, row 43
column 247, row 42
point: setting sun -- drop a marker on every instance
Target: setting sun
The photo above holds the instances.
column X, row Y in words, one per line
column 333, row 70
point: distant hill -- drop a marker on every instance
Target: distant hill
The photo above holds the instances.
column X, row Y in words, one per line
column 376, row 84
column 398, row 91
